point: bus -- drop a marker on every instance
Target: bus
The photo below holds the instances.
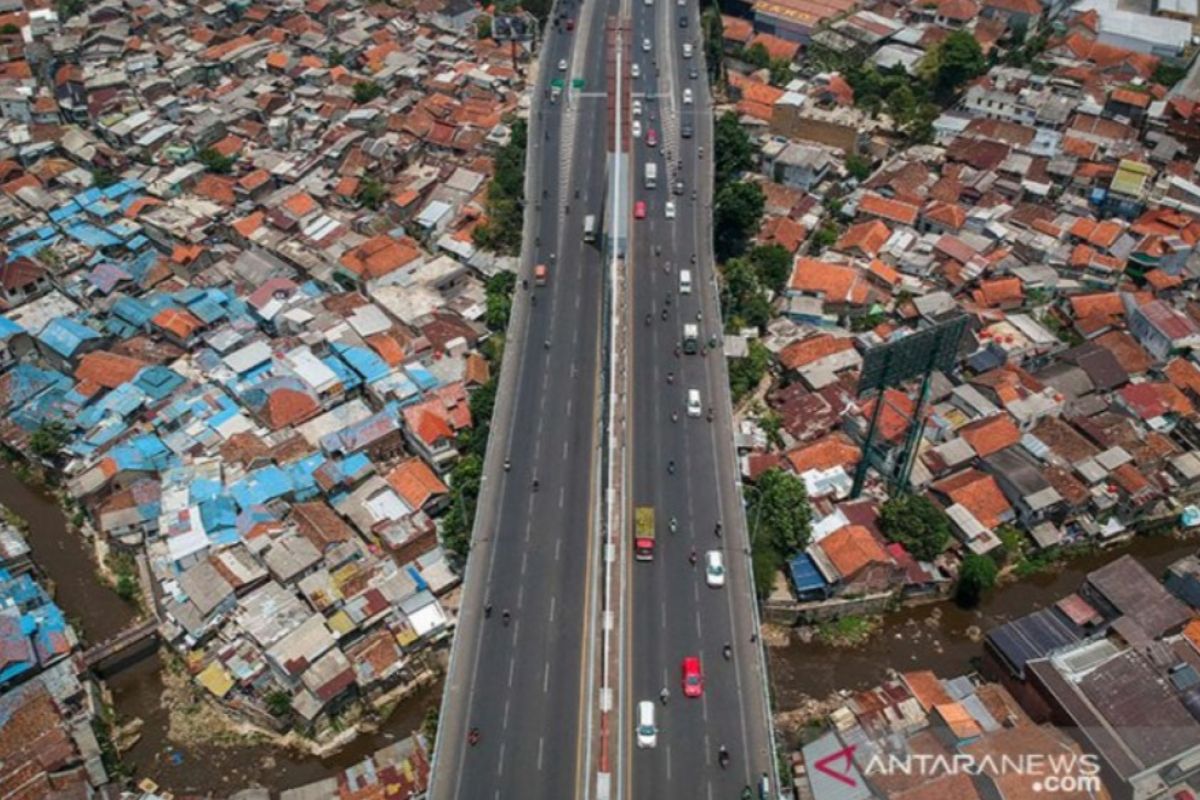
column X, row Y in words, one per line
column 643, row 533
column 589, row 228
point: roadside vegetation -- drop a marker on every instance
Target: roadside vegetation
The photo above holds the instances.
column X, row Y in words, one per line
column 501, row 231
column 780, row 524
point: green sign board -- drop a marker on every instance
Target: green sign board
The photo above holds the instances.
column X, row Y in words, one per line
column 577, row 83
column 557, row 83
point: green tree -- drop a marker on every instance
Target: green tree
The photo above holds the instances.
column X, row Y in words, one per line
column 1168, row 74
column 976, row 576
column 49, row 439
column 335, row 58
column 499, row 289
column 825, row 237
column 737, row 213
column 69, row 8
column 279, row 702
column 766, row 563
column 746, row 373
column 483, row 26
column 714, row 45
column 103, row 177
column 733, row 152
column 429, row 725
column 955, row 61
column 781, row 72
column 858, row 167
column 502, row 231
column 915, row 522
column 215, row 162
column 10, row 29
column 773, row 265
column 780, row 512
column 127, row 587
column 756, row 55
column 372, row 193
column 366, row 91
column 742, row 298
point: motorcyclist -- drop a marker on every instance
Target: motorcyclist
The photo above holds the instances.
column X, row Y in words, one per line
column 535, row 484
column 671, row 467
column 473, row 736
column 692, row 557
column 723, row 757
column 507, row 465
column 727, row 651
column 649, row 316
column 670, row 377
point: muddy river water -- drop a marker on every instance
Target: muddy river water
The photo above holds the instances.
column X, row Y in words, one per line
column 97, row 612
column 937, row 637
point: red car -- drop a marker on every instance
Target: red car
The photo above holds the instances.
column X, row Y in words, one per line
column 651, row 137
column 639, row 209
column 693, row 679
column 570, row 24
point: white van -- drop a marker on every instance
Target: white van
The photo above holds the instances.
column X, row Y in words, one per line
column 685, row 281
column 693, row 403
column 647, row 734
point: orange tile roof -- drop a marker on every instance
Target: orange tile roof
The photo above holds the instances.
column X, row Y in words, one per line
column 300, row 205
column 851, row 548
column 253, row 180
column 388, row 347
column 108, row 370
column 926, row 688
column 380, row 255
column 949, row 215
column 801, row 353
column 990, row 435
column 878, row 206
column 959, row 720
column 415, row 482
column 736, row 29
column 1130, row 97
column 866, row 237
column 977, row 492
column 287, row 407
column 834, row 450
column 777, row 48
column 248, row 225
column 898, row 409
column 884, row 272
column 835, row 283
column 999, row 291
column 1183, row 374
column 180, row 322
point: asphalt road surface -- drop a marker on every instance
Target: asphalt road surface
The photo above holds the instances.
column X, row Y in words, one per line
column 674, row 614
column 523, row 682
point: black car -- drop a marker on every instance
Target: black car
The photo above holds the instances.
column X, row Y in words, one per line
column 683, row 22
column 693, row 73
column 686, row 130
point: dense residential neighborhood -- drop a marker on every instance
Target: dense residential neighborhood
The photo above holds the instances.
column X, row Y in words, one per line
column 256, row 276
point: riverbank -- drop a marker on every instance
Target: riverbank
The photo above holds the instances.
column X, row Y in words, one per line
column 939, row 636
column 138, row 692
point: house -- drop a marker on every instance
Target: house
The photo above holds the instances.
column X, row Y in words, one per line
column 1161, row 329
column 859, row 561
column 23, row 279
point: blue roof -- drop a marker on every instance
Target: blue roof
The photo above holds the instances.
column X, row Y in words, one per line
column 134, row 311
column 363, row 360
column 261, row 486
column 8, row 328
column 91, row 236
column 158, row 382
column 423, row 378
column 65, row 336
column 805, row 575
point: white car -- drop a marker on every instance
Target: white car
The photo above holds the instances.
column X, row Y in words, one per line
column 670, row 209
column 646, row 44
column 647, row 733
column 637, row 108
column 636, row 129
column 694, row 408
column 635, row 70
column 687, row 97
column 687, row 50
column 562, row 65
column 714, row 569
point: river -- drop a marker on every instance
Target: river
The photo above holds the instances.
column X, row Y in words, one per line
column 935, row 636
column 97, row 613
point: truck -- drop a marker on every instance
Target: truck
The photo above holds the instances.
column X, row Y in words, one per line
column 651, row 174
column 589, row 228
column 643, row 533
column 691, row 337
